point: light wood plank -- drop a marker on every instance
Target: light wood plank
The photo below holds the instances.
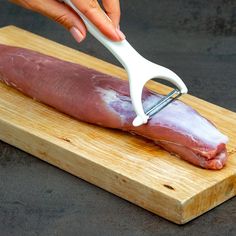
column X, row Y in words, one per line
column 128, row 166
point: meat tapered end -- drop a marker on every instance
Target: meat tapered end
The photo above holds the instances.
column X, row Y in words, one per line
column 217, row 162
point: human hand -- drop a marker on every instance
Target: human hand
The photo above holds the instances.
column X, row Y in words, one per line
column 64, row 15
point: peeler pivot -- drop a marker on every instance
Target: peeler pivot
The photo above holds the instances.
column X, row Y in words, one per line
column 139, row 71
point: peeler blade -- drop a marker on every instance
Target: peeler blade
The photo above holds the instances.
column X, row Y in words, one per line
column 173, row 95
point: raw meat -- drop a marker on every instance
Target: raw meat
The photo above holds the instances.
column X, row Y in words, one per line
column 101, row 99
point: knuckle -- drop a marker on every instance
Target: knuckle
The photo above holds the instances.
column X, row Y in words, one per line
column 62, row 19
column 93, row 4
column 90, row 7
column 29, row 4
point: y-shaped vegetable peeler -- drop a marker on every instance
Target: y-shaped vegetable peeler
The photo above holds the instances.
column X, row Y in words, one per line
column 139, row 70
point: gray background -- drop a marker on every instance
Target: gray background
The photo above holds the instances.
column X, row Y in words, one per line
column 195, row 38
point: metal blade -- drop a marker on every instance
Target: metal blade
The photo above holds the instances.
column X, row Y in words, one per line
column 164, row 102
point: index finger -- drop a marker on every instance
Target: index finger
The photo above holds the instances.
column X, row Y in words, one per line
column 112, row 8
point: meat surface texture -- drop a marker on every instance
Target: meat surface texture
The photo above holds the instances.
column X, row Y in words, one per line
column 101, row 99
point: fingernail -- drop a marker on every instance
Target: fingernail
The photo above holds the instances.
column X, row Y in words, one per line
column 120, row 34
column 77, row 34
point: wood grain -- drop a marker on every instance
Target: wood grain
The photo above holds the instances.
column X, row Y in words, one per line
column 128, row 166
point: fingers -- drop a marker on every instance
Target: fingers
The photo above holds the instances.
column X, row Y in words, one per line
column 112, row 8
column 69, row 19
column 60, row 13
column 92, row 10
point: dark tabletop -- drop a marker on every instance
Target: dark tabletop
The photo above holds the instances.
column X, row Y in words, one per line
column 196, row 39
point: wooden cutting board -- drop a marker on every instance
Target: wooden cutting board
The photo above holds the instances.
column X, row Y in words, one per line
column 128, row 166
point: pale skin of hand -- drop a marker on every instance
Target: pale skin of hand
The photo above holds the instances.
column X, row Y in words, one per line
column 64, row 15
